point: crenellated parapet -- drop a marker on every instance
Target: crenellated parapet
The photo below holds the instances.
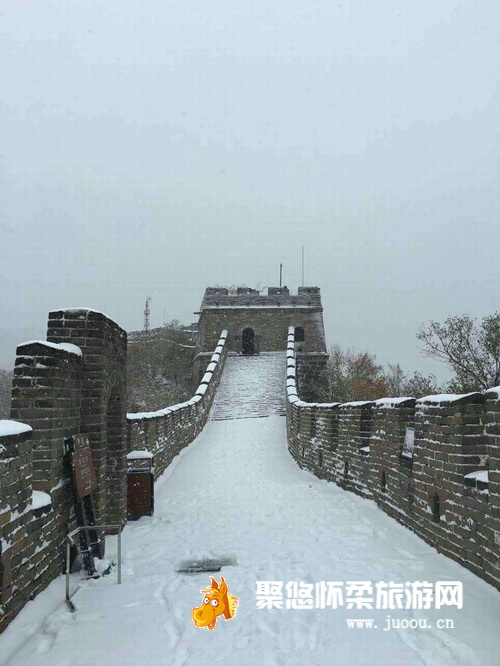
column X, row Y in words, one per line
column 219, row 297
column 433, row 464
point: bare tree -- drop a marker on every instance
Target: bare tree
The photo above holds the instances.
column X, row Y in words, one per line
column 395, row 379
column 471, row 351
column 419, row 385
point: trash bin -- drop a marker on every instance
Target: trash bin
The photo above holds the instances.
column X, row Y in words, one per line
column 140, row 484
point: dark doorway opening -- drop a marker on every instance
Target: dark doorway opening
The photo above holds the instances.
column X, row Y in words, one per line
column 247, row 341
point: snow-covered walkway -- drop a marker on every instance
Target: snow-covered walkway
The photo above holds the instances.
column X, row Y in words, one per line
column 251, row 387
column 236, row 492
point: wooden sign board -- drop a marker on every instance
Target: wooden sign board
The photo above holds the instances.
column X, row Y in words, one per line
column 83, row 470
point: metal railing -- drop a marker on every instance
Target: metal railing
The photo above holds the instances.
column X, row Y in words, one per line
column 70, row 541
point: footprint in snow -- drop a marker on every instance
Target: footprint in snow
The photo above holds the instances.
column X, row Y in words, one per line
column 44, row 645
column 174, row 633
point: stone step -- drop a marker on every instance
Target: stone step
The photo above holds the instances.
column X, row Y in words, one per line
column 251, row 387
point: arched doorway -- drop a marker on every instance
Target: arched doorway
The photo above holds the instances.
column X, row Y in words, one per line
column 247, row 341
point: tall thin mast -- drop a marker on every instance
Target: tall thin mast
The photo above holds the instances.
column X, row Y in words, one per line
column 147, row 312
column 302, row 265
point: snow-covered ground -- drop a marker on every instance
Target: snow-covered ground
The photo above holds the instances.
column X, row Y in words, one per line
column 237, row 492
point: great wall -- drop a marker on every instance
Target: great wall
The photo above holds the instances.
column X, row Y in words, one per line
column 432, row 464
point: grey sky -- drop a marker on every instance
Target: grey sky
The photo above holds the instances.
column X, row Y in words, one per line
column 169, row 146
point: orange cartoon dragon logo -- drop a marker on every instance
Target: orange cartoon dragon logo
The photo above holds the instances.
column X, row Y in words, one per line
column 216, row 602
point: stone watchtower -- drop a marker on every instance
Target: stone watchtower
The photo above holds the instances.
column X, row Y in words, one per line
column 259, row 323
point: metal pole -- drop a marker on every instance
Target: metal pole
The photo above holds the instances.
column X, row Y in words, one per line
column 302, row 265
column 69, row 540
column 120, row 556
column 281, row 272
column 67, row 568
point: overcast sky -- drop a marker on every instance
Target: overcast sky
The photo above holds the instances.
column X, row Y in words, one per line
column 153, row 146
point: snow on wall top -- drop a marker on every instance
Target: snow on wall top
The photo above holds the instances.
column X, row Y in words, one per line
column 446, row 397
column 80, row 309
column 65, row 346
column 381, row 402
column 391, row 402
column 8, row 427
column 481, row 475
column 39, row 499
column 71, row 348
column 139, row 455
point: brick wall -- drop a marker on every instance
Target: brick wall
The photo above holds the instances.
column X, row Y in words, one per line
column 103, row 400
column 268, row 315
column 28, row 525
column 444, row 483
column 73, row 383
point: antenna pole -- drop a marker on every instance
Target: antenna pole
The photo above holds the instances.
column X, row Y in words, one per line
column 302, row 265
column 281, row 272
column 147, row 312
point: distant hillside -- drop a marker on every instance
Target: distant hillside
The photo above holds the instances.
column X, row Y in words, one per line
column 159, row 366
